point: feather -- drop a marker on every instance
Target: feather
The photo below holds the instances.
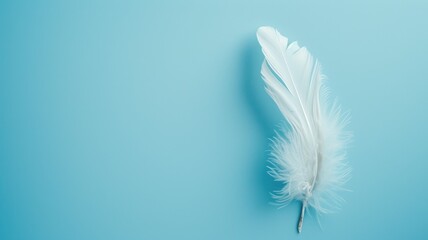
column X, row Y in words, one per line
column 310, row 158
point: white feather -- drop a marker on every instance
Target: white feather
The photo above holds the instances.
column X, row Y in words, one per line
column 310, row 159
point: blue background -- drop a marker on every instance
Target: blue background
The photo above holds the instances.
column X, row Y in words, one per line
column 148, row 119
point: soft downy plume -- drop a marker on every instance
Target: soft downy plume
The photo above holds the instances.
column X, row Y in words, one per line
column 310, row 158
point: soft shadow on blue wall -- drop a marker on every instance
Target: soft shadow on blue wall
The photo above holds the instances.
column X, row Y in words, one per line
column 252, row 89
column 268, row 121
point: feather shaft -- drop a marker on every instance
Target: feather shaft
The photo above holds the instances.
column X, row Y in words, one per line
column 302, row 216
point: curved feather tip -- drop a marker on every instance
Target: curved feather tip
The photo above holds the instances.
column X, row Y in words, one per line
column 310, row 158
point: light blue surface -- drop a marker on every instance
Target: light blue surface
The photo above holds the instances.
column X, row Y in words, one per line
column 148, row 120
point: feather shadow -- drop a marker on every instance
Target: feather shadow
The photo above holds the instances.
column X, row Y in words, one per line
column 266, row 118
